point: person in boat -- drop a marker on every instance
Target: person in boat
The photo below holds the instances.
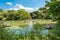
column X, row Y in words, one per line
column 49, row 26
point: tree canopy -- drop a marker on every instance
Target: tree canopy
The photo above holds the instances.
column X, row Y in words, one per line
column 54, row 7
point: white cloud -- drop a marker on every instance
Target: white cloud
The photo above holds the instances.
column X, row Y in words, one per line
column 19, row 6
column 9, row 3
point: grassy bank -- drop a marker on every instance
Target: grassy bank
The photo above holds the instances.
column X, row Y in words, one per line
column 17, row 23
column 37, row 33
column 24, row 23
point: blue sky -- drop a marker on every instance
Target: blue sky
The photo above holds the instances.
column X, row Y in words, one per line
column 21, row 4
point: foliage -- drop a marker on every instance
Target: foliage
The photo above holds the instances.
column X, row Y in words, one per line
column 14, row 15
column 44, row 13
column 23, row 14
column 34, row 34
column 41, row 13
column 4, row 35
column 35, row 15
column 54, row 7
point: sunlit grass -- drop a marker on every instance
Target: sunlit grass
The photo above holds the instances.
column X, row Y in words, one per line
column 17, row 23
column 24, row 23
column 46, row 21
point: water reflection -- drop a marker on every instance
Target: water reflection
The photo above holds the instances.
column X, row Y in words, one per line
column 18, row 30
column 44, row 32
column 26, row 30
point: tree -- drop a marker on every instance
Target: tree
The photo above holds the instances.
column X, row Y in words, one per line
column 1, row 14
column 1, row 10
column 35, row 14
column 23, row 14
column 54, row 7
column 41, row 13
column 11, row 14
column 44, row 13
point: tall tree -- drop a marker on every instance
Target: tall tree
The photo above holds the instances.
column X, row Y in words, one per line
column 23, row 14
column 44, row 12
column 35, row 14
column 54, row 7
column 11, row 14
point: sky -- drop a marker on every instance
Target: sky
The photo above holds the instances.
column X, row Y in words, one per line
column 29, row 5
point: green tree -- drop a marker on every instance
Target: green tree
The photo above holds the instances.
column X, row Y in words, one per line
column 54, row 8
column 35, row 14
column 44, row 13
column 23, row 14
column 1, row 12
column 11, row 14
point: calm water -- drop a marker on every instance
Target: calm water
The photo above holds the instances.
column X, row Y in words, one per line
column 18, row 30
